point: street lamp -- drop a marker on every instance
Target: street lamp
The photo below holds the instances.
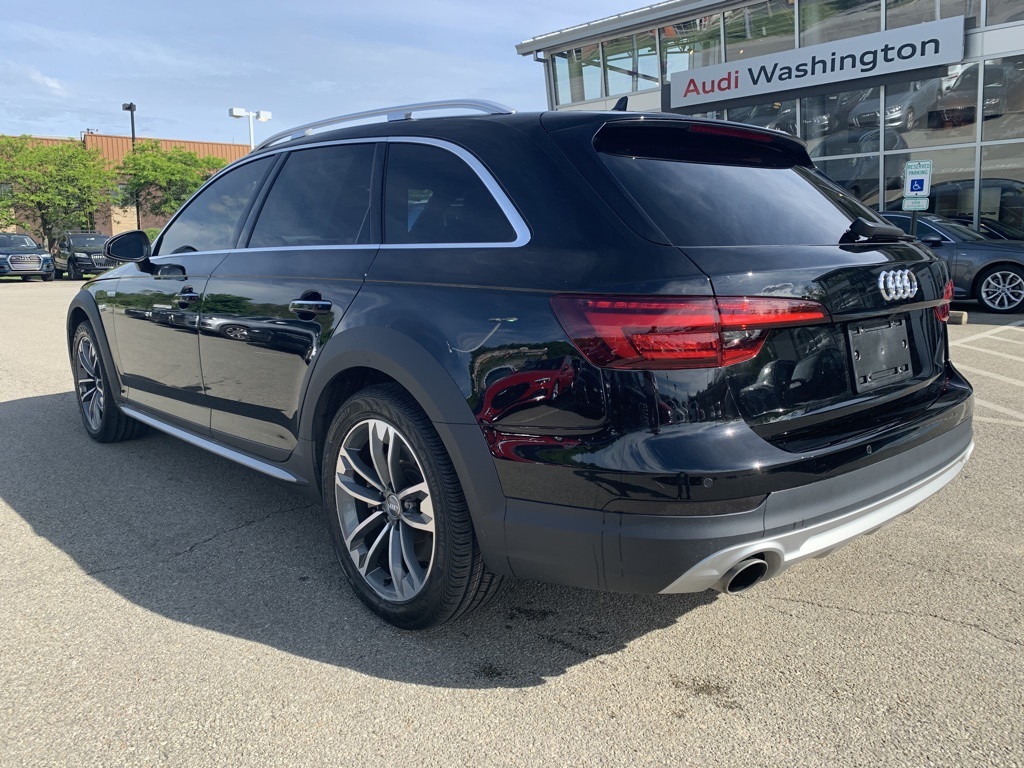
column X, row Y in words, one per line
column 262, row 115
column 129, row 107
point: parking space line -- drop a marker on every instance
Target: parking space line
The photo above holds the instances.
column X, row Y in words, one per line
column 1010, row 341
column 997, row 354
column 999, row 408
column 1005, row 422
column 990, row 332
column 980, row 372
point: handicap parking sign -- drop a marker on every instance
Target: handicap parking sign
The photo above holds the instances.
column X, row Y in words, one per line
column 917, row 176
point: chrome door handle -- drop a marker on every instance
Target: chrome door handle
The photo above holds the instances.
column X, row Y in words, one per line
column 186, row 297
column 311, row 307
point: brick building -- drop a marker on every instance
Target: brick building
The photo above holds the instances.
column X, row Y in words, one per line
column 114, row 219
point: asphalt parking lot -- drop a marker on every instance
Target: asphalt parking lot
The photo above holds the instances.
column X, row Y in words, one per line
column 162, row 606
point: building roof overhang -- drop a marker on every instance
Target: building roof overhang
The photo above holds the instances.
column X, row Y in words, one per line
column 648, row 17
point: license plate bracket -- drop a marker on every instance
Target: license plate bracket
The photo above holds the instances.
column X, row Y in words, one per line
column 880, row 352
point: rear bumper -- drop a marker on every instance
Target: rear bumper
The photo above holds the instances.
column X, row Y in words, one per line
column 782, row 549
column 640, row 553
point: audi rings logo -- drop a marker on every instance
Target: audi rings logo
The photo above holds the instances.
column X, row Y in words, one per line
column 897, row 284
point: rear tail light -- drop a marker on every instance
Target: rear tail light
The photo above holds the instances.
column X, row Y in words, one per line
column 684, row 332
column 942, row 311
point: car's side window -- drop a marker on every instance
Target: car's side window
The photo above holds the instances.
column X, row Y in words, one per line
column 924, row 229
column 320, row 197
column 900, row 221
column 211, row 220
column 432, row 196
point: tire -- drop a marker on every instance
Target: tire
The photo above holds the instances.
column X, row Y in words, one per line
column 402, row 514
column 58, row 273
column 48, row 278
column 103, row 419
column 73, row 273
column 1001, row 289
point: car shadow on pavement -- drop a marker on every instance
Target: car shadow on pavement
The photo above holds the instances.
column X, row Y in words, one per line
column 200, row 540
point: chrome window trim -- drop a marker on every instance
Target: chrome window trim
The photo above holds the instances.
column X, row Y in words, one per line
column 517, row 222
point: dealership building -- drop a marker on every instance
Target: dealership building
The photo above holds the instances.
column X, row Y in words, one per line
column 869, row 85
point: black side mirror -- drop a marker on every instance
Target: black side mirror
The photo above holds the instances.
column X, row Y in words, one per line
column 932, row 241
column 128, row 246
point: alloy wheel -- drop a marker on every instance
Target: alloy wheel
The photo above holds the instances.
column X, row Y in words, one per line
column 1002, row 290
column 89, row 382
column 385, row 510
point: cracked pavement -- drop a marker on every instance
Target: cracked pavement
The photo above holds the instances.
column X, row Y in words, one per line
column 162, row 606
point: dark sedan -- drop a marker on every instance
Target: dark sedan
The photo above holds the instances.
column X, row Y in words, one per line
column 991, row 271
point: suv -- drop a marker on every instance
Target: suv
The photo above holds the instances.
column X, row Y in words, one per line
column 80, row 254
column 751, row 367
column 22, row 256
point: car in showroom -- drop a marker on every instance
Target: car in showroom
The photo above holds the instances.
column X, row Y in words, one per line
column 80, row 254
column 21, row 256
column 751, row 367
column 989, row 271
column 850, row 159
column 907, row 105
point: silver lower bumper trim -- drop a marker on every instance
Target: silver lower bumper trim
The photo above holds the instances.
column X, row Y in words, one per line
column 786, row 549
column 213, row 447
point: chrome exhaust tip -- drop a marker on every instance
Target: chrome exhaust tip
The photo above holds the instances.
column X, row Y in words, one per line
column 743, row 575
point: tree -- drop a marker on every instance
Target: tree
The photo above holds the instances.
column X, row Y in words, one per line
column 159, row 180
column 48, row 189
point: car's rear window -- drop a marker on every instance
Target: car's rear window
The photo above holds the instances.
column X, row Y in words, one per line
column 719, row 190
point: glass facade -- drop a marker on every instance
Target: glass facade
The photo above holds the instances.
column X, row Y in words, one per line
column 969, row 121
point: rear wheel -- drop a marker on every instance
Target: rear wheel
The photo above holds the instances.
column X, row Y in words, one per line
column 103, row 419
column 396, row 513
column 1001, row 289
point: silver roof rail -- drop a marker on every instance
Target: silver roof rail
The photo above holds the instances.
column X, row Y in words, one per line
column 404, row 112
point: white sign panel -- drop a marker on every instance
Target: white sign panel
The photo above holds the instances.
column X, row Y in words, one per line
column 917, row 179
column 915, row 203
column 883, row 53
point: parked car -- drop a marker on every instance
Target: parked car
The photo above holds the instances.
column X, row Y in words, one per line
column 676, row 272
column 906, row 104
column 990, row 271
column 958, row 106
column 22, row 256
column 850, row 159
column 992, row 229
column 80, row 254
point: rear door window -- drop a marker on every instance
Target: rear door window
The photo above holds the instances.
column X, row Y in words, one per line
column 432, row 196
column 708, row 190
column 320, row 197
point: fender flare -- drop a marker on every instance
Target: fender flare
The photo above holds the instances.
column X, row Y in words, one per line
column 403, row 359
column 85, row 302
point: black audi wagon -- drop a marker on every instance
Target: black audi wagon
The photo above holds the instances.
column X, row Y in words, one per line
column 632, row 352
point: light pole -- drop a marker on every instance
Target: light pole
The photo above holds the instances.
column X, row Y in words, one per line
column 129, row 107
column 262, row 115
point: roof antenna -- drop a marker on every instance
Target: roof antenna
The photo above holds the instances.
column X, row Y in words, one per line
column 620, row 105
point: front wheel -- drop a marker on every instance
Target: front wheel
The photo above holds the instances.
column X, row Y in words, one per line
column 73, row 273
column 1001, row 289
column 48, row 278
column 103, row 419
column 397, row 515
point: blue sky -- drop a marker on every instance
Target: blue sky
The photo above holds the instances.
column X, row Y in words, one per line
column 66, row 67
